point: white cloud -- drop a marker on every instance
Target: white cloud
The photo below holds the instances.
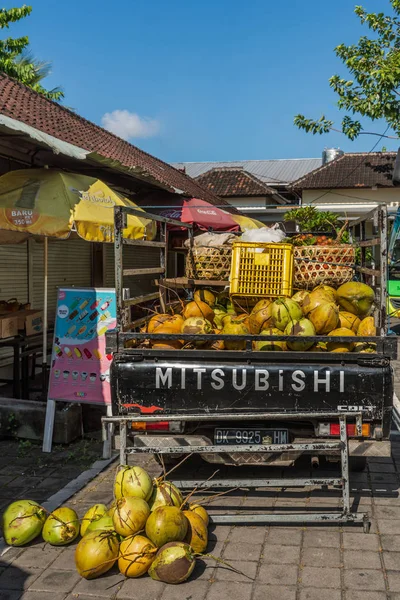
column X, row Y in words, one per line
column 129, row 125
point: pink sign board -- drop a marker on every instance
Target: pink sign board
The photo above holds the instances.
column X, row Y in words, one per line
column 80, row 367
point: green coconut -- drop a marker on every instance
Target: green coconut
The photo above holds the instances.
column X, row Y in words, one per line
column 166, row 524
column 165, row 494
column 300, row 328
column 174, row 563
column 268, row 345
column 61, row 527
column 133, row 482
column 22, row 522
column 96, row 553
column 285, row 311
column 94, row 513
column 356, row 298
column 130, row 516
column 103, row 524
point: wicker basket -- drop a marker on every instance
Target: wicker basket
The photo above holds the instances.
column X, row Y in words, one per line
column 329, row 265
column 208, row 263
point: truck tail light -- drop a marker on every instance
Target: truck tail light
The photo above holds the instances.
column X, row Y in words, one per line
column 174, row 426
column 334, row 429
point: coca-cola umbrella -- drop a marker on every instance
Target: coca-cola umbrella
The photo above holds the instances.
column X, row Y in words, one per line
column 199, row 213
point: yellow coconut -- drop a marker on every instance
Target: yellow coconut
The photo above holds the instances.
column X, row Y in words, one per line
column 365, row 348
column 166, row 344
column 205, row 296
column 174, row 322
column 156, row 321
column 198, row 308
column 325, row 318
column 356, row 297
column 300, row 296
column 200, row 510
column 234, row 329
column 270, row 345
column 328, row 289
column 260, row 317
column 315, row 299
column 196, row 535
column 349, row 320
column 136, row 553
column 367, row 327
column 341, row 346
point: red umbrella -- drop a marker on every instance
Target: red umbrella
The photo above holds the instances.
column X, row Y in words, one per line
column 201, row 214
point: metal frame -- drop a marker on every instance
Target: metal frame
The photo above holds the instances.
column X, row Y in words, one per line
column 345, row 515
column 120, row 223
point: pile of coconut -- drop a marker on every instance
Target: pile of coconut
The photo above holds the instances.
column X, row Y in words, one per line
column 149, row 528
column 325, row 311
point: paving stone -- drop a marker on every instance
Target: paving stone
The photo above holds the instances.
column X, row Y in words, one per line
column 361, row 559
column 254, row 535
column 234, row 591
column 38, row 558
column 387, row 512
column 109, row 584
column 65, row 560
column 321, row 557
column 284, row 537
column 391, row 561
column 249, row 570
column 54, row 580
column 10, row 595
column 362, row 595
column 364, row 579
column 17, row 579
column 195, row 590
column 389, row 526
column 394, row 580
column 42, row 596
column 321, row 539
column 144, row 588
column 274, row 592
column 236, row 550
column 353, row 541
column 321, row 577
column 318, row 594
column 281, row 555
column 278, row 574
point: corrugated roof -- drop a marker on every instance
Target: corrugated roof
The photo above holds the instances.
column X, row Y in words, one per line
column 23, row 104
column 353, row 170
column 275, row 171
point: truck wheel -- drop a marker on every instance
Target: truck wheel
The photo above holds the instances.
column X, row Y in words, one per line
column 357, row 464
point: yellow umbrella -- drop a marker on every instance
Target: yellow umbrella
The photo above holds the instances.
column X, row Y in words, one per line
column 247, row 222
column 53, row 203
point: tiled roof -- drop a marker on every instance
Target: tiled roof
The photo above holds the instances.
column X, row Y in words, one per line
column 273, row 172
column 23, row 104
column 355, row 170
column 233, row 182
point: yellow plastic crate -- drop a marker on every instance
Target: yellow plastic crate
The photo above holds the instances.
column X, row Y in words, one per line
column 261, row 270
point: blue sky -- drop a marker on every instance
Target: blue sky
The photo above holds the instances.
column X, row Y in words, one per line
column 216, row 80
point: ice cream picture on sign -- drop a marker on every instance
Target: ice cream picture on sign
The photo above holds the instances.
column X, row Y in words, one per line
column 80, row 366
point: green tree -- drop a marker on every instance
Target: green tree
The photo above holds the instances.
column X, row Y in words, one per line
column 374, row 88
column 18, row 62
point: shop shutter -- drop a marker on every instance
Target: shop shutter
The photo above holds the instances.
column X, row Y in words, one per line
column 135, row 257
column 14, row 272
column 69, row 265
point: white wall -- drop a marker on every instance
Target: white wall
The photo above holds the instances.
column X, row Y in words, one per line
column 357, row 198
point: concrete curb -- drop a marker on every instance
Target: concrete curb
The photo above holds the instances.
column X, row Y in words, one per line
column 69, row 490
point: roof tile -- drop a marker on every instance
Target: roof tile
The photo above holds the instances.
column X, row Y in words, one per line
column 23, row 104
column 230, row 182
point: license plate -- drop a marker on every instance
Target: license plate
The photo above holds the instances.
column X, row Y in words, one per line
column 250, row 436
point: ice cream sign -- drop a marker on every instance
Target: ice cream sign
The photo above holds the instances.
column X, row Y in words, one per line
column 80, row 367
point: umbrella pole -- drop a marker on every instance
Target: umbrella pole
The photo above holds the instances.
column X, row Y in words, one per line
column 45, row 294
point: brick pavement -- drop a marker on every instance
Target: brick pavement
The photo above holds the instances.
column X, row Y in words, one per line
column 293, row 562
column 288, row 563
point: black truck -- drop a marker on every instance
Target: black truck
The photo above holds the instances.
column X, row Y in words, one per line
column 257, row 408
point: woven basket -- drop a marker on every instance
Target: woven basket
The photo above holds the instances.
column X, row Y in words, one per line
column 329, row 265
column 209, row 263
